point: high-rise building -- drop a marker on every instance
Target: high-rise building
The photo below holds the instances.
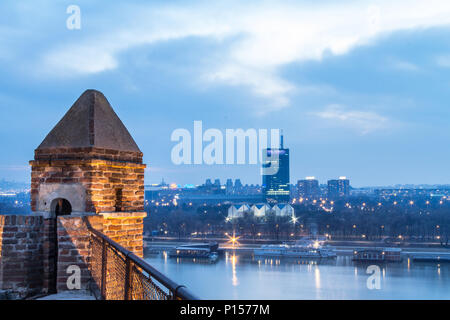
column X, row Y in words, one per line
column 238, row 186
column 308, row 187
column 275, row 177
column 338, row 188
column 229, row 186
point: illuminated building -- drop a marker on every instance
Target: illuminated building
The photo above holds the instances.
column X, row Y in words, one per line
column 309, row 187
column 338, row 188
column 275, row 178
column 237, row 210
column 283, row 210
column 260, row 209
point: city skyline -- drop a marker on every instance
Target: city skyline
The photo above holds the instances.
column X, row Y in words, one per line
column 214, row 150
column 364, row 98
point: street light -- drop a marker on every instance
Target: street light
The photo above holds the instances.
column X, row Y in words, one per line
column 294, row 219
column 233, row 239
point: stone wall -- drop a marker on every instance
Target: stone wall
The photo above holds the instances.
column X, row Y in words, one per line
column 107, row 185
column 21, row 256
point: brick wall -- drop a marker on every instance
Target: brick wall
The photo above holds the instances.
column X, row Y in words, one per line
column 21, row 258
column 102, row 181
column 74, row 247
column 28, row 247
column 126, row 229
column 28, row 251
column 48, row 255
column 111, row 185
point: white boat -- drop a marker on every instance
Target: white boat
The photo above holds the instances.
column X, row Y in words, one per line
column 298, row 250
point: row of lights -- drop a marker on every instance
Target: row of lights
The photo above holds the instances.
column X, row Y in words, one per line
column 322, row 202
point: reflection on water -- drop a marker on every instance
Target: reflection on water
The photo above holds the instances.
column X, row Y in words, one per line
column 233, row 258
column 317, row 281
column 242, row 276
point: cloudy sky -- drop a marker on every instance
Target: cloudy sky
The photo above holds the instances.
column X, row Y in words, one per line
column 360, row 88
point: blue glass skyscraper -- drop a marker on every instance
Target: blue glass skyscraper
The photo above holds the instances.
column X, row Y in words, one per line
column 276, row 181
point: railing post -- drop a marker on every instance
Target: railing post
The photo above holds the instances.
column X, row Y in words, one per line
column 128, row 275
column 175, row 293
column 104, row 268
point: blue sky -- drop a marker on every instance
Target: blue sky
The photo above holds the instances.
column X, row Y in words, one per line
column 360, row 88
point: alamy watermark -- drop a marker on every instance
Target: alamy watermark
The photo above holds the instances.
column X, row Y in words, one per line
column 74, row 280
column 374, row 280
column 237, row 146
column 73, row 22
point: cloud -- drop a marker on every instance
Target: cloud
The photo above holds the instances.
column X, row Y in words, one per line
column 363, row 121
column 404, row 65
column 271, row 87
column 264, row 37
column 80, row 60
column 443, row 61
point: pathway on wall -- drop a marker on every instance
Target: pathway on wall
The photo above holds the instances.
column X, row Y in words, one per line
column 69, row 295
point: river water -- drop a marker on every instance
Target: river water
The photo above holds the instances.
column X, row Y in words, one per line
column 241, row 276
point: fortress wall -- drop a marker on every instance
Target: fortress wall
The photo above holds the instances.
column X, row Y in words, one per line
column 74, row 249
column 127, row 229
column 21, row 254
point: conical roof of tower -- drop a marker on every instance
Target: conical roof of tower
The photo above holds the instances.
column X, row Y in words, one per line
column 90, row 122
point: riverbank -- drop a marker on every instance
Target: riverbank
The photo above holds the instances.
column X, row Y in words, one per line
column 345, row 250
column 429, row 246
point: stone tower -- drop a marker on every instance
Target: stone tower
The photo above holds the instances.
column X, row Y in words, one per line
column 88, row 170
column 90, row 160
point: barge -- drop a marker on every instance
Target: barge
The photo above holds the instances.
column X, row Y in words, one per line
column 196, row 250
column 378, row 255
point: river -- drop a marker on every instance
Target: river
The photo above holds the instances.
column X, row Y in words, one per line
column 241, row 276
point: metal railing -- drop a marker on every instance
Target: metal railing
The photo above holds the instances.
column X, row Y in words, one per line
column 118, row 274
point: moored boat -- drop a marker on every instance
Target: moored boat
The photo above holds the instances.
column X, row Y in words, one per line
column 196, row 250
column 297, row 250
column 378, row 255
column 431, row 257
